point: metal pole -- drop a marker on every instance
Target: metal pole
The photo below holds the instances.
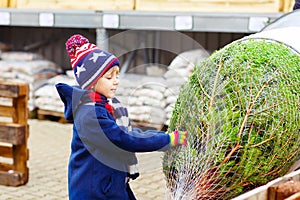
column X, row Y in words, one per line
column 102, row 39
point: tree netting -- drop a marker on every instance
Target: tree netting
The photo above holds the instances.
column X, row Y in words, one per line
column 241, row 109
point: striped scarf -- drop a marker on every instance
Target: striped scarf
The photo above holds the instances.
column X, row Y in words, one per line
column 122, row 119
column 120, row 114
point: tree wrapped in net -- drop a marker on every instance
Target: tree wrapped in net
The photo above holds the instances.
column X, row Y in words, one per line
column 241, row 107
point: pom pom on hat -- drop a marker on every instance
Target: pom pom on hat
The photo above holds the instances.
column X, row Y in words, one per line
column 74, row 42
column 88, row 61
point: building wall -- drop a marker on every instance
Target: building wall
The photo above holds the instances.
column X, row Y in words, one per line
column 149, row 46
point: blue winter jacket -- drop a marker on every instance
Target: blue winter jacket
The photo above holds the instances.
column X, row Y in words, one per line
column 100, row 149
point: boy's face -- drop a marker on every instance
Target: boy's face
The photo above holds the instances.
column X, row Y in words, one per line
column 108, row 83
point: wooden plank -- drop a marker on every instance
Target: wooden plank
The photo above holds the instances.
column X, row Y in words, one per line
column 76, row 4
column 288, row 5
column 9, row 90
column 12, row 133
column 20, row 152
column 4, row 3
column 284, row 189
column 12, row 3
column 12, row 90
column 15, row 133
column 7, row 111
column 211, row 5
column 21, row 110
column 49, row 112
column 6, row 151
column 264, row 192
column 294, row 197
column 23, row 90
column 12, row 178
column 20, row 157
column 6, row 166
column 51, row 115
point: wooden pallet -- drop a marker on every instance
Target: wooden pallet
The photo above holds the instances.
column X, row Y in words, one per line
column 14, row 134
column 270, row 190
column 51, row 115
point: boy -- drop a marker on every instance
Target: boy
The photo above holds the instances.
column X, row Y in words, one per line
column 103, row 146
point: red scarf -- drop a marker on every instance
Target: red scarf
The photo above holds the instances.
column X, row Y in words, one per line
column 98, row 98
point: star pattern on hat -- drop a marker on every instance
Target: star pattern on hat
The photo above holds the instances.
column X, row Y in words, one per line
column 79, row 70
column 96, row 56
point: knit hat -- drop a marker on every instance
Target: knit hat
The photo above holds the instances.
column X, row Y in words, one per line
column 88, row 61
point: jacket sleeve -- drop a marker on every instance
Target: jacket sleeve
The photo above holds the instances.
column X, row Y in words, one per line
column 99, row 130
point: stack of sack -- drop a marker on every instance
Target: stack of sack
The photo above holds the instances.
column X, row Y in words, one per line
column 28, row 68
column 178, row 72
column 144, row 98
column 47, row 98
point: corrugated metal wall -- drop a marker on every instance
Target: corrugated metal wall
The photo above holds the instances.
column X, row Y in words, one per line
column 149, row 46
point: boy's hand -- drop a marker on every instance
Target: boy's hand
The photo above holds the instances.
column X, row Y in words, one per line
column 178, row 138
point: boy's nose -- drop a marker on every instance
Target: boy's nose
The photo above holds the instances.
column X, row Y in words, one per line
column 116, row 81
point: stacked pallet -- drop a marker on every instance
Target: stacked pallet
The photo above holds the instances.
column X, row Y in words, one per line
column 14, row 134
